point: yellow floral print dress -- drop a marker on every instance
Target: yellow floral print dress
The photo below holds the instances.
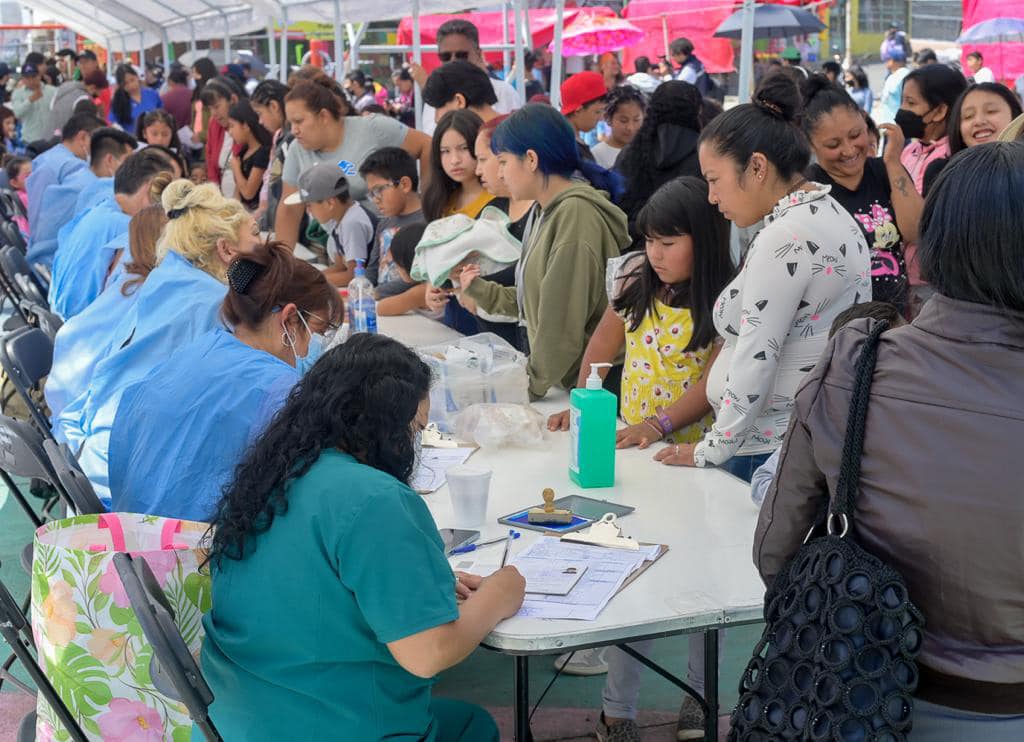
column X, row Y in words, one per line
column 657, row 370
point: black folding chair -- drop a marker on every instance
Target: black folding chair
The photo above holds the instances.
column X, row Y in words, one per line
column 18, row 275
column 173, row 668
column 10, row 204
column 26, row 356
column 22, row 455
column 17, row 632
column 10, row 234
column 72, row 479
column 41, row 317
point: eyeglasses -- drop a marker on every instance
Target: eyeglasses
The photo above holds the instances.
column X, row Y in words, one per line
column 377, row 192
column 447, row 56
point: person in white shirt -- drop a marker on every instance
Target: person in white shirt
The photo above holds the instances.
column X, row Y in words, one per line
column 460, row 39
column 892, row 90
column 976, row 64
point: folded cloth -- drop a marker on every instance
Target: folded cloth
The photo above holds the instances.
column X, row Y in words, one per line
column 450, row 241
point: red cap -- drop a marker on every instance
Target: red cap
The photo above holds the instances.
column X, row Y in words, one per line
column 581, row 89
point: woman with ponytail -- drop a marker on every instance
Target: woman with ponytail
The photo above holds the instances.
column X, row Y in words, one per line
column 565, row 247
column 223, row 387
column 179, row 301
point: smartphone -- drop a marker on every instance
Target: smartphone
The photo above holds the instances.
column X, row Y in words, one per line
column 453, row 538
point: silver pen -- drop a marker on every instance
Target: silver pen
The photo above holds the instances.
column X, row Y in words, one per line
column 508, row 546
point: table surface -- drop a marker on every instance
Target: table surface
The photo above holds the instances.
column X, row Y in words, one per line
column 416, row 330
column 704, row 516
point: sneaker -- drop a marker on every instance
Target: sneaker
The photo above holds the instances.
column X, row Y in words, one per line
column 621, row 731
column 584, row 662
column 691, row 720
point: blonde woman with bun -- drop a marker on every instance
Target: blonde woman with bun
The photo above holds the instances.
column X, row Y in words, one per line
column 179, row 301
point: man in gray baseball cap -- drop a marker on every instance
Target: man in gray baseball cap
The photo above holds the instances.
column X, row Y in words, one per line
column 323, row 189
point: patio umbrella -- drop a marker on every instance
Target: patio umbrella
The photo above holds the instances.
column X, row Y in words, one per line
column 772, row 22
column 593, row 34
column 995, row 30
column 257, row 65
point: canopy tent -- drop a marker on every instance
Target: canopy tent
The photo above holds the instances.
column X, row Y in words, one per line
column 1006, row 60
column 665, row 20
column 541, row 22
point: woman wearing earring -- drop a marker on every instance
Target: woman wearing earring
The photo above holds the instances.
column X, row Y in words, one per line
column 808, row 264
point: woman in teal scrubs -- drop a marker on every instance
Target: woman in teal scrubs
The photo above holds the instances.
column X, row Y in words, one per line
column 333, row 603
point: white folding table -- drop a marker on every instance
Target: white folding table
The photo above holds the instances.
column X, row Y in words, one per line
column 705, row 581
column 415, row 330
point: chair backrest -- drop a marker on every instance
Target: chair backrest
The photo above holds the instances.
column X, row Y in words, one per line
column 18, row 273
column 26, row 355
column 43, row 318
column 174, row 670
column 16, row 632
column 10, row 204
column 21, row 450
column 10, row 234
column 72, row 479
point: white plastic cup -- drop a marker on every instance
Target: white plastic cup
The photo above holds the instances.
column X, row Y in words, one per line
column 469, row 487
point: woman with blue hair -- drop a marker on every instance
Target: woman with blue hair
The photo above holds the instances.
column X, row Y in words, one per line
column 559, row 294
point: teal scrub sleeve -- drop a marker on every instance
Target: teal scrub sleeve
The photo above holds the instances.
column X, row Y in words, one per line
column 392, row 558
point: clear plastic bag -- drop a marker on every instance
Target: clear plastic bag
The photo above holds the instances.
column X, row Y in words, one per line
column 477, row 369
column 493, row 425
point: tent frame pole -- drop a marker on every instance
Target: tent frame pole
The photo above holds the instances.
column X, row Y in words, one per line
column 417, row 57
column 746, row 51
column 339, row 55
column 282, row 72
column 555, row 94
column 271, row 43
column 520, row 48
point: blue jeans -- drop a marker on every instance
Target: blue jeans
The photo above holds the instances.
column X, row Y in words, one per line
column 934, row 723
column 744, row 466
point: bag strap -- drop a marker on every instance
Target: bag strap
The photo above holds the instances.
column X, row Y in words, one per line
column 841, row 504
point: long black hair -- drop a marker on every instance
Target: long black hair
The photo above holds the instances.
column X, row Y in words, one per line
column 680, row 207
column 361, row 397
column 207, row 71
column 674, row 103
column 151, row 117
column 441, row 188
column 121, row 103
column 956, row 139
column 244, row 113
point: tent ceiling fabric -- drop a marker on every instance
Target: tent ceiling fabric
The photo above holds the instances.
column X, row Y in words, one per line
column 107, row 22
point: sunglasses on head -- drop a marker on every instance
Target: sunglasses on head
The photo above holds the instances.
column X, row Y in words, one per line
column 447, row 56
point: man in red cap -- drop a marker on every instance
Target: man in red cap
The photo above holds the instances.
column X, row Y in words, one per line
column 583, row 99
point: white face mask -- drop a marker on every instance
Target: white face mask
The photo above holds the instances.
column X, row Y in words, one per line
column 191, row 83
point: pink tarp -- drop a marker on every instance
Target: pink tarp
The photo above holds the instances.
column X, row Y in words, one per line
column 693, row 19
column 1005, row 60
column 542, row 27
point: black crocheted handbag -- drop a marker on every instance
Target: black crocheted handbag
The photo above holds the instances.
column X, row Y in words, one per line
column 837, row 657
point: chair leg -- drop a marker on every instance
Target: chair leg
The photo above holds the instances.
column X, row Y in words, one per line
column 19, row 497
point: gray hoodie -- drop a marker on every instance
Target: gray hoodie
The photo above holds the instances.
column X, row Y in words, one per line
column 63, row 105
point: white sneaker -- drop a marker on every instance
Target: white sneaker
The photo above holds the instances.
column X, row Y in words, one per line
column 583, row 662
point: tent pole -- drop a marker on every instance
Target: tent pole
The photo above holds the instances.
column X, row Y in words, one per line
column 417, row 57
column 283, row 70
column 338, row 41
column 556, row 61
column 664, row 33
column 167, row 53
column 227, row 39
column 110, row 57
column 271, row 43
column 504, row 36
column 747, row 51
column 848, row 34
column 192, row 39
column 125, row 59
column 142, row 52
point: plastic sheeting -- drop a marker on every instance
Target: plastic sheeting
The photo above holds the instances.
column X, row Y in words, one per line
column 693, row 19
column 542, row 29
column 1006, row 60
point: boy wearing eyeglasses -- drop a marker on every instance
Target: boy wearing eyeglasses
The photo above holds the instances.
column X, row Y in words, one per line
column 391, row 182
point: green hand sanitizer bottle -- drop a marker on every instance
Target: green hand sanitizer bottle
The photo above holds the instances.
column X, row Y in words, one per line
column 592, row 413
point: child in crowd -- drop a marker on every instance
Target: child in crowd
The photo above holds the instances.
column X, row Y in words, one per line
column 878, row 310
column 402, row 252
column 268, row 102
column 323, row 188
column 18, row 169
column 583, row 104
column 454, row 187
column 157, row 127
column 251, row 156
column 624, row 112
column 9, row 129
column 197, row 173
column 392, row 183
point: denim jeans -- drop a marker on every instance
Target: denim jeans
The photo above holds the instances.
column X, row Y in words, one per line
column 745, row 466
column 934, row 723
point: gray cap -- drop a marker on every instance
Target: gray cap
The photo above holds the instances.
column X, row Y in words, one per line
column 319, row 183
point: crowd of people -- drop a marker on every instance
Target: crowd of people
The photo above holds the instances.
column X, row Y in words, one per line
column 198, row 375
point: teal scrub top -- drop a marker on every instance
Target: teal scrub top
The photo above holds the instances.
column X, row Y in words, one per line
column 296, row 640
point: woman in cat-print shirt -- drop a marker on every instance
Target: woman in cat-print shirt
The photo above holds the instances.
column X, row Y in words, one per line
column 808, row 264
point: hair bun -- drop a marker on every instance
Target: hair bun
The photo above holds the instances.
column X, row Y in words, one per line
column 815, row 84
column 778, row 96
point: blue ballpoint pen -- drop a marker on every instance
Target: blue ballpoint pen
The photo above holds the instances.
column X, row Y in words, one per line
column 473, row 547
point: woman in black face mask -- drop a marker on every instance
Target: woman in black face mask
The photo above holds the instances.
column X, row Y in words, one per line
column 877, row 191
column 929, row 95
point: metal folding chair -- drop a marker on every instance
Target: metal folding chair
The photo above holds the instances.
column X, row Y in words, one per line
column 173, row 669
column 10, row 234
column 10, row 204
column 72, row 479
column 17, row 632
column 22, row 455
column 26, row 355
column 18, row 273
column 41, row 317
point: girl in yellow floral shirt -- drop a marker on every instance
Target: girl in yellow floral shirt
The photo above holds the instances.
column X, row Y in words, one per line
column 659, row 311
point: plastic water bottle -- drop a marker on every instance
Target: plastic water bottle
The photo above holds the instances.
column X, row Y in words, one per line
column 362, row 307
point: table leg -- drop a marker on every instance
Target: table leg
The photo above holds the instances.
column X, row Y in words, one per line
column 711, row 684
column 521, row 702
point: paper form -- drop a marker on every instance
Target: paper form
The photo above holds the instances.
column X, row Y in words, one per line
column 434, row 464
